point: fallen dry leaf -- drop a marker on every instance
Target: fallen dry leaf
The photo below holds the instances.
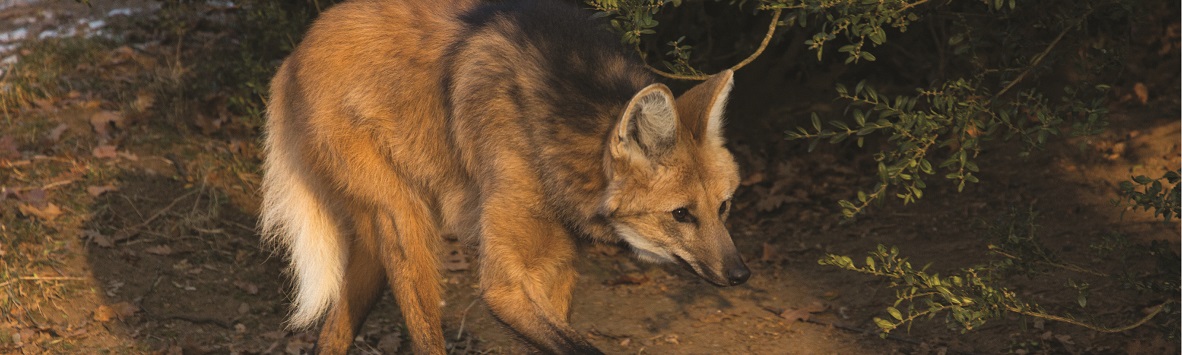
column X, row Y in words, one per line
column 8, row 148
column 56, row 134
column 159, row 250
column 129, row 156
column 794, row 314
column 104, row 152
column 25, row 336
column 104, row 314
column 119, row 310
column 770, row 253
column 98, row 238
column 35, row 197
column 96, row 191
column 45, row 103
column 241, row 148
column 770, row 202
column 248, row 287
column 1064, row 339
column 753, row 178
column 1142, row 92
column 803, row 314
column 208, row 126
column 125, row 309
column 631, row 278
column 47, row 213
column 144, row 101
column 103, row 121
column 672, row 339
column 298, row 345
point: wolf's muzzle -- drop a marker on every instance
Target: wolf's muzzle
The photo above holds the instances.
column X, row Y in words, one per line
column 736, row 272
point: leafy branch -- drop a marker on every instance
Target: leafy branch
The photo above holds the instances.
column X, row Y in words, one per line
column 956, row 117
column 1015, row 238
column 968, row 299
column 945, row 126
column 683, row 52
column 1152, row 194
column 858, row 21
column 855, row 20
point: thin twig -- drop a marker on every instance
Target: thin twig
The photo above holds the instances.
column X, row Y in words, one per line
column 126, row 232
column 1065, row 266
column 767, row 38
column 58, row 183
column 464, row 317
column 197, row 320
column 44, row 187
column 911, row 5
column 252, row 230
column 52, row 278
column 42, row 278
column 1156, row 309
column 1038, row 59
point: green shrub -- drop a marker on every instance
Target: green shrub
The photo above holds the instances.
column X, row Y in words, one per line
column 979, row 73
column 1161, row 195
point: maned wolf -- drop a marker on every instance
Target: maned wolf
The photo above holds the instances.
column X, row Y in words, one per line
column 518, row 123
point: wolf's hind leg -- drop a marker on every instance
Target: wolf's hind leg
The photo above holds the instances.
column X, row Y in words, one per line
column 408, row 252
column 364, row 278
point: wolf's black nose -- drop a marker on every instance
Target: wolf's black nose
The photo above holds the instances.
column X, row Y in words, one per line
column 737, row 276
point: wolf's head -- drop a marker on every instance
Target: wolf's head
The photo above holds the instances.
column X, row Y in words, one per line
column 671, row 180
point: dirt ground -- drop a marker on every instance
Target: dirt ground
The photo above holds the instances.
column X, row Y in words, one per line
column 127, row 232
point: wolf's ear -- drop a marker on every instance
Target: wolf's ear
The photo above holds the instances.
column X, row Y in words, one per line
column 648, row 127
column 702, row 106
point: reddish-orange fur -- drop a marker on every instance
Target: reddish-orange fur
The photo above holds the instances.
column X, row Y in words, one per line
column 395, row 122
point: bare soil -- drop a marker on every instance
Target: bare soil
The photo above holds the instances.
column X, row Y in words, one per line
column 169, row 260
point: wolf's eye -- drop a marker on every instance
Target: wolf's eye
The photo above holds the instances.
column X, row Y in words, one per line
column 724, row 207
column 683, row 215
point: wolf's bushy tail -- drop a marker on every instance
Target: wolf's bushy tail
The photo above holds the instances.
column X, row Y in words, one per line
column 296, row 219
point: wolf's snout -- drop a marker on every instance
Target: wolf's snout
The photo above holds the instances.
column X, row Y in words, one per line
column 737, row 276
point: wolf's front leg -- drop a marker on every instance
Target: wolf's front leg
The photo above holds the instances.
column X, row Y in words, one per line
column 527, row 273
